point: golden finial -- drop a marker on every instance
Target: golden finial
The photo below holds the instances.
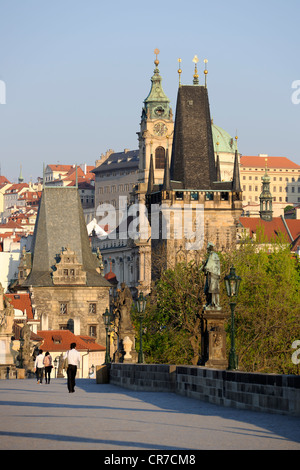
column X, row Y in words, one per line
column 196, row 76
column 205, row 72
column 179, row 71
column 156, row 52
column 236, row 138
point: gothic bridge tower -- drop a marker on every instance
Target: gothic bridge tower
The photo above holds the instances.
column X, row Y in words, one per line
column 192, row 180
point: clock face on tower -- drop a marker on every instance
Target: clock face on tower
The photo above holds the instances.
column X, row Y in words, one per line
column 160, row 129
column 159, row 111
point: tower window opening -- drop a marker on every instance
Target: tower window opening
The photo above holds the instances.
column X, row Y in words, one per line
column 160, row 158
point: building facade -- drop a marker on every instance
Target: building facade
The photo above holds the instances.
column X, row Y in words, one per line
column 66, row 287
column 284, row 177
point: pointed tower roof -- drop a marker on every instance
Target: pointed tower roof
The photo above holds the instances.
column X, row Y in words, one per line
column 157, row 104
column 236, row 181
column 60, row 223
column 167, row 178
column 151, row 176
column 218, row 168
column 193, row 161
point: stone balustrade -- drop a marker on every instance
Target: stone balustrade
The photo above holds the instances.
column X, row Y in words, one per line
column 250, row 391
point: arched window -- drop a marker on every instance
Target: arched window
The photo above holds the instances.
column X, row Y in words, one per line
column 160, row 158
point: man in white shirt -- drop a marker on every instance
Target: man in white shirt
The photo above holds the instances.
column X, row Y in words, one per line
column 74, row 358
column 39, row 367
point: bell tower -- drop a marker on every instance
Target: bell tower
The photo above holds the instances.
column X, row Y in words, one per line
column 266, row 199
column 156, row 130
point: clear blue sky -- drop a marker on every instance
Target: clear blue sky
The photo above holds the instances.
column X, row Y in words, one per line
column 77, row 73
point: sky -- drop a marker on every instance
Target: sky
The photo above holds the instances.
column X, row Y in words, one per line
column 74, row 74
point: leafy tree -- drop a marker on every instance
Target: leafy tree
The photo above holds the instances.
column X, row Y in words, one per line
column 266, row 317
column 173, row 316
column 268, row 304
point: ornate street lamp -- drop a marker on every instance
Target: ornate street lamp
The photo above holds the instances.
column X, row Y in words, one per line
column 107, row 317
column 141, row 307
column 232, row 283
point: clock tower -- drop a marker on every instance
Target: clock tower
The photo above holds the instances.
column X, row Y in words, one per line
column 156, row 131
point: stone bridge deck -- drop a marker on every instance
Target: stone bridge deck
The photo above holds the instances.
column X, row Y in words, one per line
column 109, row 418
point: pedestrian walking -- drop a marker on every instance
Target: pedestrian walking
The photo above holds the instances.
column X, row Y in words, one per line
column 73, row 357
column 39, row 366
column 48, row 366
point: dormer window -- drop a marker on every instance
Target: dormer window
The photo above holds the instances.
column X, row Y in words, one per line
column 56, row 339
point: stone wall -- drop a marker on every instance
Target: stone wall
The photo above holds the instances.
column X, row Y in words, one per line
column 250, row 391
column 144, row 377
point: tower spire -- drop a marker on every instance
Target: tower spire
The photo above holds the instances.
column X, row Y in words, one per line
column 266, row 199
column 167, row 179
column 151, row 176
column 20, row 179
column 236, row 181
column 218, row 168
column 157, row 104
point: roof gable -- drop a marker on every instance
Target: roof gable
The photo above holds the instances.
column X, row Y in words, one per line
column 273, row 162
column 271, row 229
column 60, row 340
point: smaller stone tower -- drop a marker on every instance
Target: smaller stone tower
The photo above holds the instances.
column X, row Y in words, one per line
column 266, row 199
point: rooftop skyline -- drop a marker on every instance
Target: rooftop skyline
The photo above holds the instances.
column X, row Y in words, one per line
column 75, row 75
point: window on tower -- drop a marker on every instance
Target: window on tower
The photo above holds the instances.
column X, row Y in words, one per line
column 160, row 158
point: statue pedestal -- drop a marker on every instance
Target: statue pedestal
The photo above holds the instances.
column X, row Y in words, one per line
column 6, row 356
column 102, row 374
column 213, row 339
column 21, row 373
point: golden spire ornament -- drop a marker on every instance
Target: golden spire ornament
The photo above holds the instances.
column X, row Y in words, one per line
column 156, row 52
column 196, row 76
column 205, row 72
column 179, row 71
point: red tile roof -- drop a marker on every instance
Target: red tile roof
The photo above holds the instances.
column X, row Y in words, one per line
column 22, row 302
column 3, row 180
column 296, row 244
column 16, row 187
column 60, row 167
column 60, row 340
column 294, row 227
column 273, row 162
column 272, row 229
column 11, row 225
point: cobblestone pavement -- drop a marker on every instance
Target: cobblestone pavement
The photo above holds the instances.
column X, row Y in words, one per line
column 45, row 416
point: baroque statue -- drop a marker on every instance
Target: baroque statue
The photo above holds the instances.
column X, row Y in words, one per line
column 212, row 270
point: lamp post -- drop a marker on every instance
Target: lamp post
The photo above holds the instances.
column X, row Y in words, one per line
column 107, row 317
column 232, row 283
column 55, row 366
column 141, row 307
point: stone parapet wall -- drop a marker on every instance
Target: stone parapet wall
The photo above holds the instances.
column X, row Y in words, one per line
column 250, row 391
column 144, row 377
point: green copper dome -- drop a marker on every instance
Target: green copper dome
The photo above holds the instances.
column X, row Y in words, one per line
column 157, row 104
column 226, row 142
